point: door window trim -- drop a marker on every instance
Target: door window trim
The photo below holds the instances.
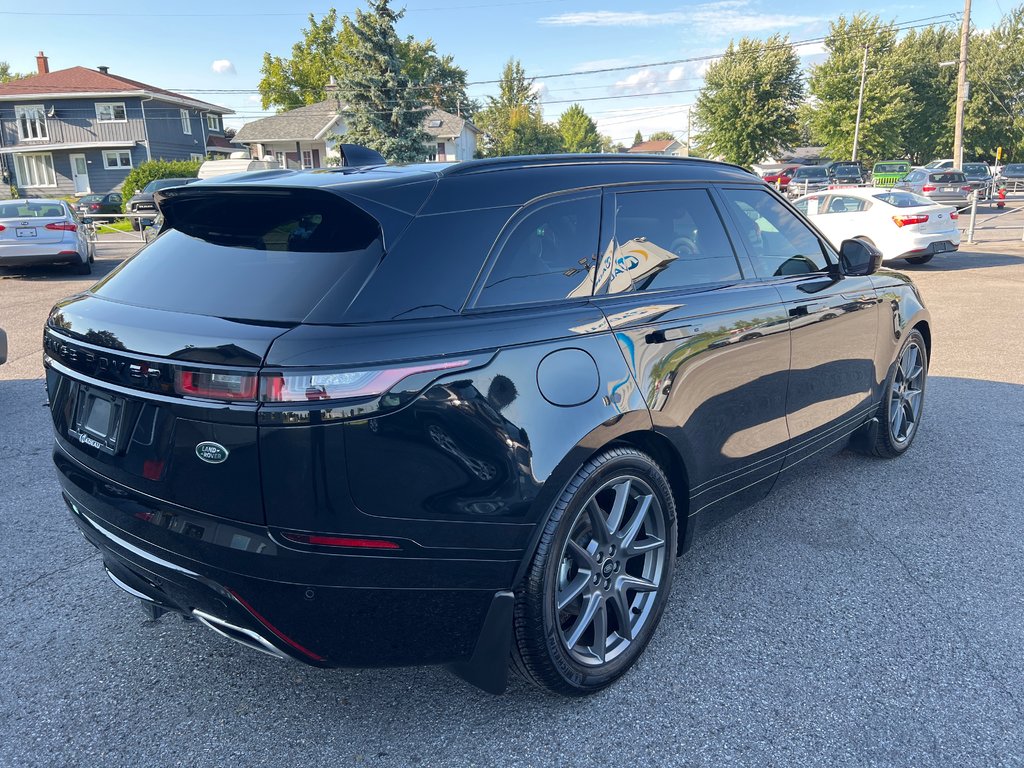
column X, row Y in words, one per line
column 527, row 209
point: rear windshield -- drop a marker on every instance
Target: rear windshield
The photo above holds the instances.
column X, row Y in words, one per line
column 34, row 209
column 903, row 199
column 1015, row 168
column 91, row 199
column 978, row 169
column 947, row 177
column 812, row 173
column 153, row 186
column 263, row 256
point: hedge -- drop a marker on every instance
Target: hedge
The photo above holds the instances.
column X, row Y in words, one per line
column 151, row 170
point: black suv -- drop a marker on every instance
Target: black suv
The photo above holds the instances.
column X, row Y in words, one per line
column 399, row 415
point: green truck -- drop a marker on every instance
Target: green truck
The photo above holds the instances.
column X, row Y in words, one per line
column 888, row 172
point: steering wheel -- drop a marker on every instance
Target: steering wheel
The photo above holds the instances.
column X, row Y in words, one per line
column 797, row 265
column 683, row 246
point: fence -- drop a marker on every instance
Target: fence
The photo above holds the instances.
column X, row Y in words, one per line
column 96, row 224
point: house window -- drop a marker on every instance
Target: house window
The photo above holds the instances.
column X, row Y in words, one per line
column 213, row 122
column 117, row 158
column 307, row 158
column 35, row 170
column 111, row 112
column 186, row 122
column 31, row 121
column 199, row 158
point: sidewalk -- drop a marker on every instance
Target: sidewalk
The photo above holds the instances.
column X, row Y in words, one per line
column 996, row 230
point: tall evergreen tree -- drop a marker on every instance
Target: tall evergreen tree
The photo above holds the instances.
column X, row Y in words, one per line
column 835, row 85
column 578, row 130
column 381, row 110
column 512, row 121
column 747, row 109
column 638, row 139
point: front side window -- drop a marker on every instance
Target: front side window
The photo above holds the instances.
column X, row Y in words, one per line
column 117, row 158
column 35, row 170
column 548, row 255
column 31, row 122
column 778, row 242
column 186, row 122
column 669, row 238
column 111, row 112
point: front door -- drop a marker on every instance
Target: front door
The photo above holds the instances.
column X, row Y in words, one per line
column 80, row 174
column 708, row 344
column 833, row 323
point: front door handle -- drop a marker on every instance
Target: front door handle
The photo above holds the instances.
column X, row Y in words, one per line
column 663, row 335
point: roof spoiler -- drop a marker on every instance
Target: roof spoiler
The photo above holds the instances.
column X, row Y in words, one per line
column 354, row 155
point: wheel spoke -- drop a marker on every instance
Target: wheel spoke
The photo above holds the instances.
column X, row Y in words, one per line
column 600, row 646
column 598, row 521
column 911, row 358
column 645, row 545
column 636, row 521
column 915, row 373
column 619, row 506
column 620, row 601
column 896, row 420
column 912, row 396
column 580, row 554
column 573, row 589
column 637, row 584
column 908, row 416
column 590, row 606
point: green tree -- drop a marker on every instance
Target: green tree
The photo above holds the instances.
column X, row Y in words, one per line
column 638, row 139
column 578, row 130
column 303, row 78
column 747, row 109
column 662, row 136
column 835, row 84
column 512, row 121
column 441, row 83
column 151, row 170
column 6, row 75
column 928, row 130
column 380, row 107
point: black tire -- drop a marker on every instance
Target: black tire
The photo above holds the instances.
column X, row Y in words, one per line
column 920, row 259
column 889, row 442
column 137, row 225
column 540, row 651
column 82, row 267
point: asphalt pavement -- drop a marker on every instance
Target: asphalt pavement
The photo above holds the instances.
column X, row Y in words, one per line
column 869, row 613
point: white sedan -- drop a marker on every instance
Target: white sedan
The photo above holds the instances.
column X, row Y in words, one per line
column 900, row 224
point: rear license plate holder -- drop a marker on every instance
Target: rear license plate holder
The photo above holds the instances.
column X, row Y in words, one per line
column 98, row 417
column 939, row 246
column 26, row 232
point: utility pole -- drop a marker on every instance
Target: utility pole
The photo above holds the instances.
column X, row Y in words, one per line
column 860, row 100
column 961, row 89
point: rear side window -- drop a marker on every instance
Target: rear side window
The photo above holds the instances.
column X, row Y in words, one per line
column 267, row 256
column 778, row 242
column 844, row 204
column 669, row 238
column 548, row 255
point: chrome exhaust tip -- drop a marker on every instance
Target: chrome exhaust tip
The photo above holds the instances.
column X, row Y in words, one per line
column 240, row 635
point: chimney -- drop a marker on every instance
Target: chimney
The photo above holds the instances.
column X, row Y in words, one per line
column 104, row 70
column 332, row 85
column 42, row 64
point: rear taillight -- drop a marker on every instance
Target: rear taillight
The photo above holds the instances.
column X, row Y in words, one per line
column 321, row 540
column 968, row 188
column 928, row 188
column 954, row 215
column 2, row 227
column 906, row 221
column 94, row 206
column 340, row 385
column 65, row 226
column 215, row 386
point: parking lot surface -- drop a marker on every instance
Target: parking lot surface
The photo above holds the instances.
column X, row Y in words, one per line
column 867, row 613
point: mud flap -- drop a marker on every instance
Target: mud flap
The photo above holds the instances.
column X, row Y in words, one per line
column 487, row 668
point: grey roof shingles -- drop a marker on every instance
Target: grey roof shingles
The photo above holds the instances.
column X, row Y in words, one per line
column 309, row 122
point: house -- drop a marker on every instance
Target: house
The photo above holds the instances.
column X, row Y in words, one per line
column 79, row 130
column 307, row 137
column 661, row 147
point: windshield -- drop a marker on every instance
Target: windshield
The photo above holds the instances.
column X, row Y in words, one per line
column 264, row 256
column 903, row 199
column 891, row 168
column 157, row 184
column 845, row 170
column 816, row 172
column 1015, row 168
column 947, row 177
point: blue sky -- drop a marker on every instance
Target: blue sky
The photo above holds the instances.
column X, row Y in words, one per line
column 192, row 46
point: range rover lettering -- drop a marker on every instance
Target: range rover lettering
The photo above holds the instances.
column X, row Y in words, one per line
column 468, row 414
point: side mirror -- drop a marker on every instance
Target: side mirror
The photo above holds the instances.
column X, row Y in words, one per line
column 858, row 257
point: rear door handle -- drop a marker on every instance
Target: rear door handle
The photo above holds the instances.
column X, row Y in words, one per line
column 801, row 310
column 661, row 336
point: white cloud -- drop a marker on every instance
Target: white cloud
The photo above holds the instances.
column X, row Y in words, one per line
column 810, row 49
column 728, row 17
column 539, row 88
column 653, row 80
column 223, row 67
column 254, row 98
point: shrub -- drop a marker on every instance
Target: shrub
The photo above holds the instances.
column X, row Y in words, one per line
column 151, row 170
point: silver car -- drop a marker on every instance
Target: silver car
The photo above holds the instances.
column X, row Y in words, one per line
column 38, row 231
column 943, row 186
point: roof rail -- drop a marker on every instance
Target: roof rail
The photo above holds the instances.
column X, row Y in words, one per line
column 527, row 161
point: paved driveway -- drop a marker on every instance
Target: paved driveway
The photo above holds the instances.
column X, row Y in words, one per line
column 868, row 613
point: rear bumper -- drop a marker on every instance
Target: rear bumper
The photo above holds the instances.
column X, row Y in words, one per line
column 325, row 609
column 40, row 256
column 938, row 245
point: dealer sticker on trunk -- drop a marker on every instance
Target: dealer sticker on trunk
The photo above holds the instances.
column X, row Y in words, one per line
column 212, row 453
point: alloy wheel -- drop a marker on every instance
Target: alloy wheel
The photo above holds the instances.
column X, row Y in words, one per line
column 610, row 570
column 905, row 394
